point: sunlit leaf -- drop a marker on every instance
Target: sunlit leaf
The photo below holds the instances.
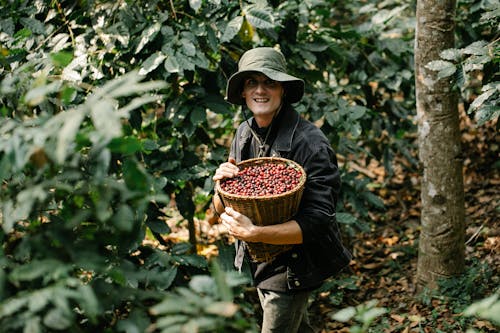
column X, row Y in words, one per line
column 259, row 18
column 345, row 314
column 195, row 4
column 171, row 64
column 451, row 54
column 202, row 284
column 152, row 62
column 478, row 48
column 71, row 121
column 169, row 321
column 105, row 119
column 232, row 29
column 444, row 68
column 148, row 35
column 37, row 95
column 12, row 305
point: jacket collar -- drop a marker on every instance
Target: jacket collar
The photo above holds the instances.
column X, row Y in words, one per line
column 283, row 141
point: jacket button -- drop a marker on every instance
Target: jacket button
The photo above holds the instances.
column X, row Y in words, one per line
column 297, row 283
column 295, row 255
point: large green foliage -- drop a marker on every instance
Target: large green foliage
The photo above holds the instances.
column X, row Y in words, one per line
column 111, row 109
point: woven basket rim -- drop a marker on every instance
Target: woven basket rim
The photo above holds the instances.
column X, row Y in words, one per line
column 262, row 160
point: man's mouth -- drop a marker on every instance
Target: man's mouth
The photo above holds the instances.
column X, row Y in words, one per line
column 261, row 100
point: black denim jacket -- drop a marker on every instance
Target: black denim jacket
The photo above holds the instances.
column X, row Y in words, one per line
column 322, row 253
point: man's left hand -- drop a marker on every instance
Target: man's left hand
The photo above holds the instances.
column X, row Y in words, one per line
column 239, row 225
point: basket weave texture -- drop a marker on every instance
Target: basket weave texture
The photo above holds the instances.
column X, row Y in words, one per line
column 266, row 210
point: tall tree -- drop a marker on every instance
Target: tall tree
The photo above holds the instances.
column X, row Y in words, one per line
column 441, row 249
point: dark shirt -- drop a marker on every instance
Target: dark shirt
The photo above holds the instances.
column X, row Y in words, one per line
column 321, row 254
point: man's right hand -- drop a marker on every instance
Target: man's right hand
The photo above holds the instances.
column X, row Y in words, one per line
column 226, row 170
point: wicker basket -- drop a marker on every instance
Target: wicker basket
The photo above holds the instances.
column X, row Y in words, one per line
column 266, row 210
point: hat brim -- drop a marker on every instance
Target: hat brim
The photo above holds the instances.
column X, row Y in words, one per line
column 294, row 86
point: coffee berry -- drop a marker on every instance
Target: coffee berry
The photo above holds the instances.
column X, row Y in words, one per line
column 263, row 180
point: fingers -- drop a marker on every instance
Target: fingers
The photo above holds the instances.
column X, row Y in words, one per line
column 231, row 212
column 226, row 170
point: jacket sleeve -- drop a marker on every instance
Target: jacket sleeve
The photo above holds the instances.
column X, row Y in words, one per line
column 318, row 205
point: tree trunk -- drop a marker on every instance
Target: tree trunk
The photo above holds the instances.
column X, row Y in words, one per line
column 441, row 245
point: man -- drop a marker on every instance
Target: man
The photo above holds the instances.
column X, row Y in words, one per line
column 276, row 129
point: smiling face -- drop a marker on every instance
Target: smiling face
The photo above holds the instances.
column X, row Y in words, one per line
column 263, row 97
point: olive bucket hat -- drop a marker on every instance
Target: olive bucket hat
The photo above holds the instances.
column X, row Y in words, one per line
column 269, row 62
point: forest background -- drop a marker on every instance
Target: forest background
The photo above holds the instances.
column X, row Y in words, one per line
column 113, row 119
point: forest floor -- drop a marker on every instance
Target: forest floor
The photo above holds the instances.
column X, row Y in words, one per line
column 384, row 266
column 385, row 258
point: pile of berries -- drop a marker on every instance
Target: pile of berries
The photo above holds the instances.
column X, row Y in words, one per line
column 263, row 180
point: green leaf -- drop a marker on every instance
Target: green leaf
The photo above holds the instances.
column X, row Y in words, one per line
column 70, row 123
column 37, row 95
column 33, row 325
column 195, row 4
column 34, row 270
column 451, row 54
column 445, row 68
column 224, row 309
column 159, row 226
column 197, row 115
column 191, row 260
column 171, row 64
column 345, row 314
column 259, row 18
column 33, row 25
column 23, row 33
column 125, row 145
column 203, row 284
column 61, row 59
column 88, row 302
column 173, row 319
column 188, row 48
column 58, row 319
column 148, row 35
column 373, row 199
column 487, row 308
column 137, row 322
column 105, row 119
column 356, row 112
column 167, row 277
column 123, row 218
column 174, row 304
column 371, row 314
column 152, row 62
column 486, row 113
column 478, row 48
column 11, row 306
column 38, row 300
column 488, row 91
column 232, row 29
column 135, row 176
column 219, row 277
column 346, row 218
column 355, row 129
column 68, row 95
column 201, row 324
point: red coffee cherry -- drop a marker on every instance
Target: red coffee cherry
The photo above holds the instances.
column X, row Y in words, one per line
column 263, row 180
